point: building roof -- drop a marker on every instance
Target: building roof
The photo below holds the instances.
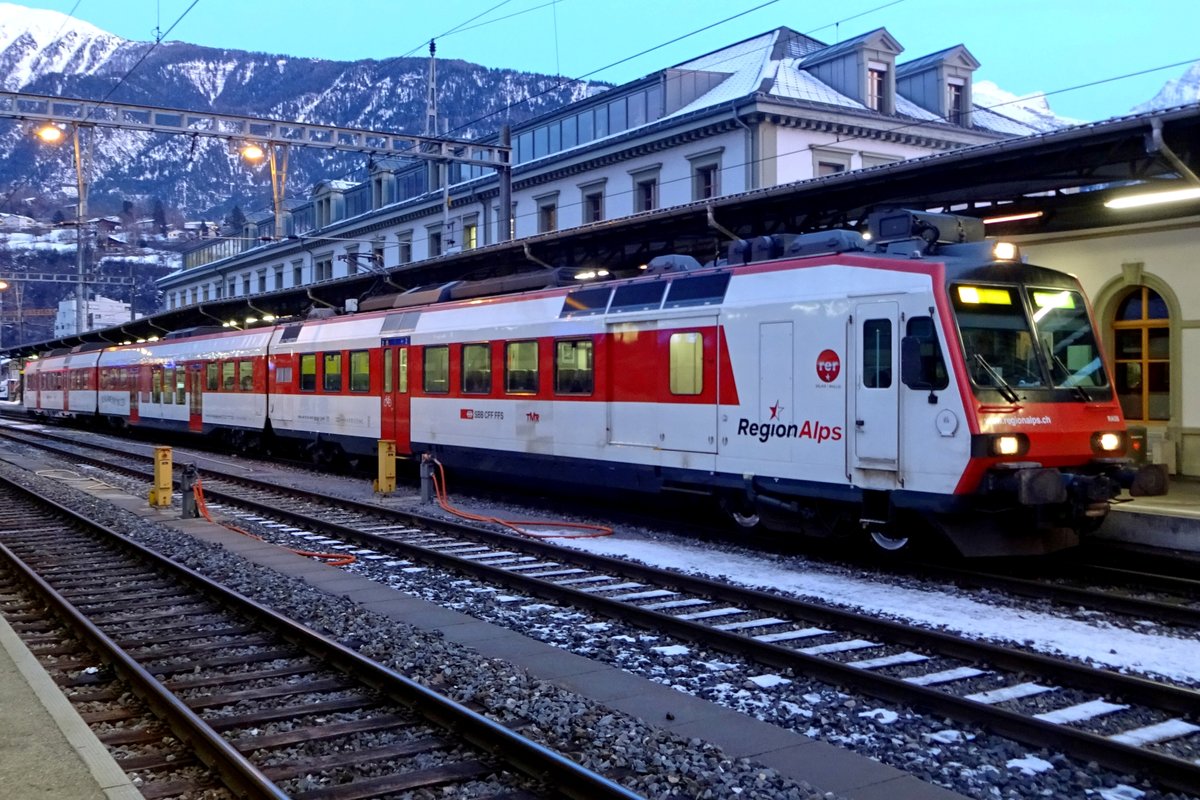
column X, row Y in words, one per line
column 776, row 64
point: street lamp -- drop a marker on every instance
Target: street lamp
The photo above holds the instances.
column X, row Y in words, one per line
column 3, row 288
column 255, row 152
column 51, row 133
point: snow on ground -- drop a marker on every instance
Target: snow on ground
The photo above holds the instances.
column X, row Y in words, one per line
column 950, row 610
column 1029, row 765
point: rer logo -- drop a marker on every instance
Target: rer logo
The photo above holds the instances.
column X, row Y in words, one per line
column 829, row 366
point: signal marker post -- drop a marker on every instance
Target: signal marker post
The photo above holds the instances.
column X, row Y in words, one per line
column 160, row 495
column 385, row 483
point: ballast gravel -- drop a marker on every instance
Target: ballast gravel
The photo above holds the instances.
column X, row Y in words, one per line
column 645, row 759
column 965, row 760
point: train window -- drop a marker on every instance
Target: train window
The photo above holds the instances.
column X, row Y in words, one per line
column 360, row 371
column 476, row 369
column 156, row 384
column 387, row 371
column 402, row 386
column 437, row 369
column 687, row 363
column 246, row 375
column 181, row 385
column 638, row 296
column 332, row 372
column 877, row 353
column 210, row 376
column 574, row 368
column 521, row 368
column 308, row 372
column 1065, row 332
column 228, row 379
column 932, row 373
column 168, row 385
column 701, row 290
column 593, row 300
column 999, row 345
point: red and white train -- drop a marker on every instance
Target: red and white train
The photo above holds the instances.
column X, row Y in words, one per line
column 814, row 383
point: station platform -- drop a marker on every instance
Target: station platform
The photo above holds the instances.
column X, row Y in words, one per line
column 46, row 749
column 1168, row 522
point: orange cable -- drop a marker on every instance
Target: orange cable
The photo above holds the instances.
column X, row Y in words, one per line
column 332, row 559
column 443, row 499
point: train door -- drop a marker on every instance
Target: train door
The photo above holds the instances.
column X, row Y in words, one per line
column 663, row 384
column 874, row 343
column 132, row 382
column 196, row 397
column 397, row 420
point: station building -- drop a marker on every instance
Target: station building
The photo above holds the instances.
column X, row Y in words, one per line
column 774, row 110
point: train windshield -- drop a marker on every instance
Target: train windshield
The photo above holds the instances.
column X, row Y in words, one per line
column 1008, row 349
column 1065, row 335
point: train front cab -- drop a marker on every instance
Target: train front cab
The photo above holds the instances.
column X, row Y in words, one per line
column 1048, row 440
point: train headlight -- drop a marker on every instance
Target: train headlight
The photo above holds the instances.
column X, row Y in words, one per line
column 1006, row 445
column 1108, row 442
column 1005, row 251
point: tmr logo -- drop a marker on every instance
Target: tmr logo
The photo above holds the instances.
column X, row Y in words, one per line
column 810, row 429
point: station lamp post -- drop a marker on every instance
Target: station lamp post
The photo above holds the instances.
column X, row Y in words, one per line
column 3, row 288
column 279, row 165
column 54, row 134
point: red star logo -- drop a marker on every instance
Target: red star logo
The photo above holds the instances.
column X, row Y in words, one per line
column 775, row 409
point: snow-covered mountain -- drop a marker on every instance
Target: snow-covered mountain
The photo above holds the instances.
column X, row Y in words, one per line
column 44, row 52
column 1176, row 92
column 1031, row 109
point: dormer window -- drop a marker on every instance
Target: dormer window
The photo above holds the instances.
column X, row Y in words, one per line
column 956, row 101
column 862, row 68
column 876, row 85
column 940, row 83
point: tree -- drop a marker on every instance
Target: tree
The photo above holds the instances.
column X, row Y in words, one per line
column 128, row 214
column 160, row 218
column 236, row 221
column 58, row 218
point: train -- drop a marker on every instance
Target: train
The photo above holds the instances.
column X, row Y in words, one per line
column 915, row 381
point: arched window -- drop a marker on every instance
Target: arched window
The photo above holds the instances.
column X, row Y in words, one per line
column 1142, row 335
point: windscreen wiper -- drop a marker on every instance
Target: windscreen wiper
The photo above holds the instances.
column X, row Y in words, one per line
column 1005, row 390
column 1080, row 392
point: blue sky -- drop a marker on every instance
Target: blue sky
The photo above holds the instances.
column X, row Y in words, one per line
column 1024, row 45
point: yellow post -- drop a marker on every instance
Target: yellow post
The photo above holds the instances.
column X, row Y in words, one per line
column 160, row 495
column 386, row 482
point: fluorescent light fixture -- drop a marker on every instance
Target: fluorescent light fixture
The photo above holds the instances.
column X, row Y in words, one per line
column 1012, row 217
column 1154, row 198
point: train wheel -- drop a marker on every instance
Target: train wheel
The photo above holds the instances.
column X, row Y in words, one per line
column 886, row 538
column 743, row 514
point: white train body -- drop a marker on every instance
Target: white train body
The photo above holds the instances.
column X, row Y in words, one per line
column 844, row 387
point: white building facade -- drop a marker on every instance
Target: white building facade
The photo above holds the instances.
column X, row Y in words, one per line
column 773, row 109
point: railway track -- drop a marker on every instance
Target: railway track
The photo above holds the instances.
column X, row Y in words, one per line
column 270, row 707
column 1126, row 723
